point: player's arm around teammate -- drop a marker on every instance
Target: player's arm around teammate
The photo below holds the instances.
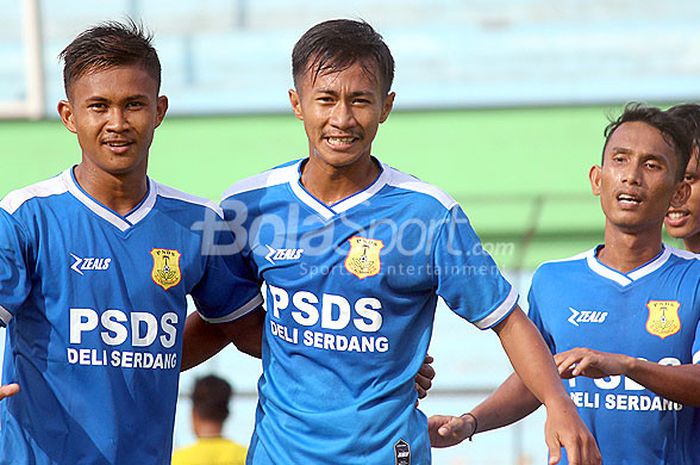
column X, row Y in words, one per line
column 203, row 340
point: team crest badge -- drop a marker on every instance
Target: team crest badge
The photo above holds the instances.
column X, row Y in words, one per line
column 663, row 318
column 363, row 259
column 166, row 268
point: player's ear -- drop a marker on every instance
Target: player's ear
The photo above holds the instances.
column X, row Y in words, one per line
column 295, row 100
column 594, row 176
column 680, row 195
column 161, row 109
column 387, row 106
column 65, row 111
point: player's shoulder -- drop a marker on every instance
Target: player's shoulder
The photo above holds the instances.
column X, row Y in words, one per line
column 421, row 190
column 193, row 202
column 563, row 265
column 13, row 201
column 276, row 176
column 684, row 256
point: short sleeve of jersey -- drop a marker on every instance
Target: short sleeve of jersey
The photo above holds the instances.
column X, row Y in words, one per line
column 536, row 317
column 467, row 277
column 15, row 280
column 228, row 289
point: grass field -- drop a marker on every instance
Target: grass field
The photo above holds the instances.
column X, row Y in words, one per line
column 521, row 174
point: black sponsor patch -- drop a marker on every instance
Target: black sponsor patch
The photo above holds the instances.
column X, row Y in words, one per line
column 402, row 453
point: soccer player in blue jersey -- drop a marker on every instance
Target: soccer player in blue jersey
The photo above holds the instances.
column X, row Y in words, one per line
column 95, row 265
column 624, row 317
column 354, row 255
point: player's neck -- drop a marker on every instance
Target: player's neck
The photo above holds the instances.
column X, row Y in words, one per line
column 118, row 193
column 207, row 429
column 692, row 243
column 626, row 251
column 331, row 184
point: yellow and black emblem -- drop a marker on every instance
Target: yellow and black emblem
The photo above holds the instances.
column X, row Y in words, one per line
column 663, row 318
column 166, row 268
column 363, row 259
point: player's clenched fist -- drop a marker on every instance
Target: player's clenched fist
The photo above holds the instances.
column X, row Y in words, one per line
column 447, row 430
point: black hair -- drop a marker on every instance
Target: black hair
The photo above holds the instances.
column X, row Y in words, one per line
column 337, row 44
column 107, row 45
column 210, row 398
column 674, row 130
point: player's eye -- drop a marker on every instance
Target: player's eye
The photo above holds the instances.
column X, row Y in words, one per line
column 689, row 177
column 361, row 101
column 324, row 99
column 135, row 105
column 97, row 106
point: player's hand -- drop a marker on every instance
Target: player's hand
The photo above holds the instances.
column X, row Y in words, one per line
column 590, row 363
column 8, row 390
column 564, row 428
column 424, row 378
column 446, row 431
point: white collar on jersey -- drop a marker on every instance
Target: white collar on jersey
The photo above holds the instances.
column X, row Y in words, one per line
column 625, row 279
column 329, row 211
column 120, row 222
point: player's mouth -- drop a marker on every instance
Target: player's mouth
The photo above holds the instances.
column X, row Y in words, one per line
column 341, row 142
column 628, row 200
column 118, row 146
column 677, row 218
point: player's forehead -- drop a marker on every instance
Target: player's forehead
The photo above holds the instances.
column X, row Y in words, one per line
column 113, row 80
column 360, row 73
column 638, row 137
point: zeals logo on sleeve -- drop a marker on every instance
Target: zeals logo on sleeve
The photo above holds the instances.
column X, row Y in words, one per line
column 333, row 313
column 117, row 328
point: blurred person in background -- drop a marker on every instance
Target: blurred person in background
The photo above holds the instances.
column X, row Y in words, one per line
column 355, row 254
column 623, row 318
column 211, row 398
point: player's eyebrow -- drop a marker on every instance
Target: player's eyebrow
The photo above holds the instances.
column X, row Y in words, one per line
column 628, row 151
column 359, row 93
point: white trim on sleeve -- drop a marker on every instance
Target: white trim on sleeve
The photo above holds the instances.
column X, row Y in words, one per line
column 503, row 309
column 254, row 303
column 696, row 357
column 5, row 316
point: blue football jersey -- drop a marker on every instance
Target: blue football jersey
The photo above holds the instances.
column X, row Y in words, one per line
column 651, row 313
column 351, row 291
column 95, row 305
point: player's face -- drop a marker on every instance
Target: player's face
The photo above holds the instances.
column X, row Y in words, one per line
column 684, row 221
column 637, row 181
column 114, row 112
column 341, row 112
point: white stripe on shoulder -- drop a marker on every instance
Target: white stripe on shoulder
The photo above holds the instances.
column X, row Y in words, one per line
column 254, row 303
column 47, row 188
column 172, row 193
column 269, row 178
column 580, row 256
column 687, row 254
column 411, row 183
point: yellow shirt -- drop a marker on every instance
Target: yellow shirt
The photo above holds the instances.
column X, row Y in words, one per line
column 211, row 451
